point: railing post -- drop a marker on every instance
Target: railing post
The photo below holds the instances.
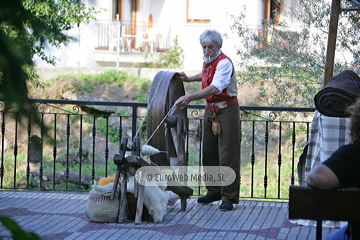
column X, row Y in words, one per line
column 134, row 117
column 118, row 34
column 55, row 150
column 2, row 149
column 80, row 153
column 16, row 148
column 28, row 153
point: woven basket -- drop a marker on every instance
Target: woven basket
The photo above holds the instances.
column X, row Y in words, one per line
column 131, row 208
column 102, row 208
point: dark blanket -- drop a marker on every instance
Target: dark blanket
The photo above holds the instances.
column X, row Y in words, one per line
column 338, row 94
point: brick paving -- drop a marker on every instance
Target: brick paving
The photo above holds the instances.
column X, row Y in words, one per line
column 62, row 216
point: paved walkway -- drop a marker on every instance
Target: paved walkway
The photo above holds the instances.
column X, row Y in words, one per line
column 62, row 216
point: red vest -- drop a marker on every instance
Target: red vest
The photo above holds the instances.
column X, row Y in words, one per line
column 208, row 75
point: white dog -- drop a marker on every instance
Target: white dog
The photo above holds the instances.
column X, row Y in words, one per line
column 155, row 199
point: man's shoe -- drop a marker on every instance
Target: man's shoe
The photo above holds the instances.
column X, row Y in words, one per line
column 206, row 199
column 226, row 206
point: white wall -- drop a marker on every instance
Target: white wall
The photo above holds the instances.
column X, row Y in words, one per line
column 168, row 13
column 188, row 33
column 103, row 4
column 79, row 52
column 157, row 7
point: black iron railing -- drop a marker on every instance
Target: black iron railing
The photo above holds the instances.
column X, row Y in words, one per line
column 82, row 137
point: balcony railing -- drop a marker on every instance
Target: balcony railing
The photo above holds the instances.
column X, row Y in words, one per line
column 132, row 36
column 79, row 145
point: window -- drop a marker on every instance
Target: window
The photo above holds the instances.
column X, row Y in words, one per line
column 198, row 11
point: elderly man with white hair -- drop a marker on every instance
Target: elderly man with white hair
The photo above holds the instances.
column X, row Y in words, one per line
column 221, row 139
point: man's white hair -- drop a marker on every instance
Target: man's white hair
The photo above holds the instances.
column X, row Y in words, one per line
column 209, row 36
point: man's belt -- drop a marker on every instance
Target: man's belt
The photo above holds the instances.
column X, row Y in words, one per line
column 216, row 106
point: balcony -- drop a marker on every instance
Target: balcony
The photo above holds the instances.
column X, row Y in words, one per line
column 129, row 41
column 48, row 176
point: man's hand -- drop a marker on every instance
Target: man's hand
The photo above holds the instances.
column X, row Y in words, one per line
column 182, row 102
column 196, row 78
column 183, row 77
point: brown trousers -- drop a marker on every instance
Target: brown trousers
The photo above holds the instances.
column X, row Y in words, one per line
column 223, row 150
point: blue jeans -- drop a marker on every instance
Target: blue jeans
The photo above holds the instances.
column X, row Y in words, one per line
column 343, row 233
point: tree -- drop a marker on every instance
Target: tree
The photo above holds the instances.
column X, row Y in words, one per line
column 286, row 62
column 26, row 26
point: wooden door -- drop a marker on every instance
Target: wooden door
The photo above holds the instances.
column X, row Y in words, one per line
column 127, row 13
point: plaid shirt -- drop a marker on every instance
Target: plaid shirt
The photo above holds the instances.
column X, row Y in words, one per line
column 327, row 135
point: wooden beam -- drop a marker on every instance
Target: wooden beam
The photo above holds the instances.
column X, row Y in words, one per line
column 338, row 204
column 330, row 54
column 267, row 9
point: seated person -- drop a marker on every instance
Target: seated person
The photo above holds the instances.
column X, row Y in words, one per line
column 342, row 169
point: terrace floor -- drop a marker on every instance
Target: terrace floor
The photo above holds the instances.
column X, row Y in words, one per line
column 62, row 216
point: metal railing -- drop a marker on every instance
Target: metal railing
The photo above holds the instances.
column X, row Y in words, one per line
column 132, row 36
column 81, row 138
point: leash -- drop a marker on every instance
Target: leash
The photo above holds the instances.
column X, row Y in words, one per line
column 160, row 123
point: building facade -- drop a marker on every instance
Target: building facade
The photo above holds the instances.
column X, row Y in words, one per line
column 126, row 30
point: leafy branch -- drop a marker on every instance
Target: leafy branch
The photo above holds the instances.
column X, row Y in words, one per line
column 286, row 60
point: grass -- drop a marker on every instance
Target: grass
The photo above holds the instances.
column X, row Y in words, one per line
column 9, row 165
column 252, row 177
column 103, row 127
column 255, row 188
column 112, row 79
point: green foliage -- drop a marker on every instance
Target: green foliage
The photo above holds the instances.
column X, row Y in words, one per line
column 286, row 63
column 16, row 231
column 172, row 58
column 103, row 126
column 89, row 81
column 9, row 167
column 142, row 94
column 26, row 27
column 58, row 16
column 112, row 81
